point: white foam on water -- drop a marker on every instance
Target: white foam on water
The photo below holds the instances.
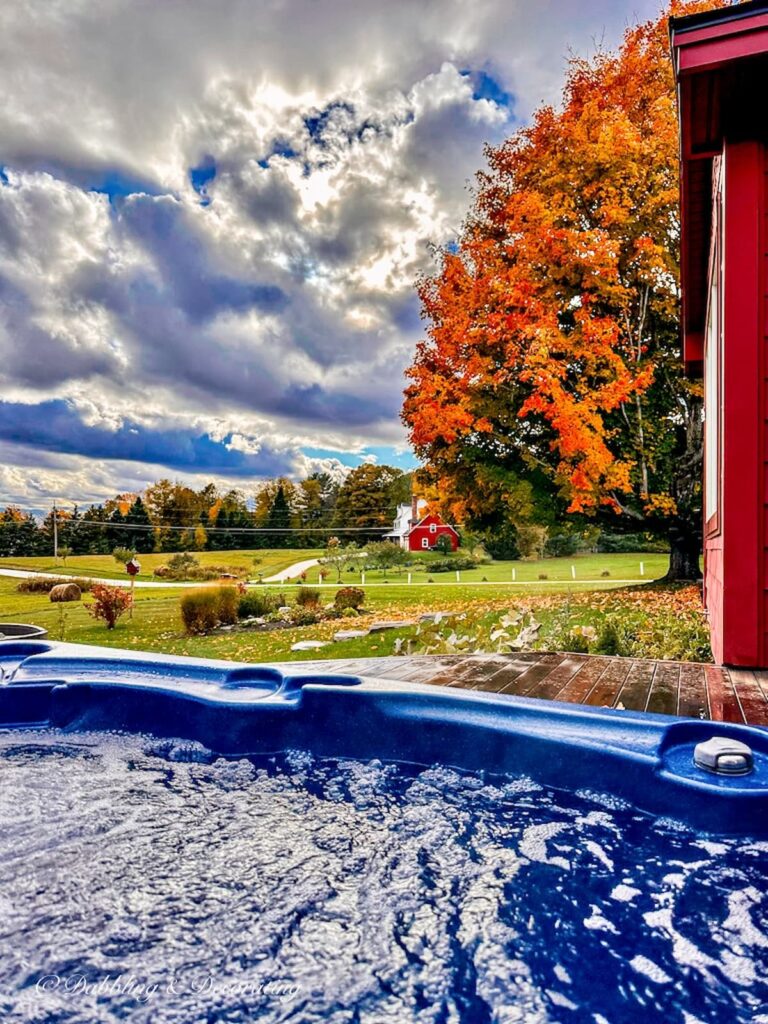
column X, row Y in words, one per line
column 624, row 893
column 650, row 970
column 534, row 843
column 364, row 884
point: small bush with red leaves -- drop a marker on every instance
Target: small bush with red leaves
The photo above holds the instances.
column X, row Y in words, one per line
column 109, row 603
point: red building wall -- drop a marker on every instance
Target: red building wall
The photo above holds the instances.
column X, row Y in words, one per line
column 424, row 531
column 736, row 560
column 720, row 57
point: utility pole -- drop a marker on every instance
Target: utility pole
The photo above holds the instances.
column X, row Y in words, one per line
column 55, row 536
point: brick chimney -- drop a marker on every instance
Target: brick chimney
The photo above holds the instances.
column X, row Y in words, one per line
column 414, row 510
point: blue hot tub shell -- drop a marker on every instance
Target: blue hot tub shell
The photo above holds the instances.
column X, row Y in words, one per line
column 237, row 710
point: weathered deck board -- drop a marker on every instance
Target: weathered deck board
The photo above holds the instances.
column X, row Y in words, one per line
column 633, row 695
column 663, row 696
column 693, row 701
column 666, row 687
column 750, row 695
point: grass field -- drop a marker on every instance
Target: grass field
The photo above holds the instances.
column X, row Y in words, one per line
column 105, row 566
column 156, row 624
column 556, row 570
column 638, row 567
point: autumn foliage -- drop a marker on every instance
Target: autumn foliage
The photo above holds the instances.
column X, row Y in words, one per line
column 109, row 603
column 552, row 343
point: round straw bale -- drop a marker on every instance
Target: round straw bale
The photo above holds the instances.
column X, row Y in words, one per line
column 65, row 592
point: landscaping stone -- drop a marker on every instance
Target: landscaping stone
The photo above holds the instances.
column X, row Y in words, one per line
column 309, row 645
column 350, row 634
column 379, row 627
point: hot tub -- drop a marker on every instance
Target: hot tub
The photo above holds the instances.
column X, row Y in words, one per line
column 186, row 840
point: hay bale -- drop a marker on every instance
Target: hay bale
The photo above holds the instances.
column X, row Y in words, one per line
column 65, row 592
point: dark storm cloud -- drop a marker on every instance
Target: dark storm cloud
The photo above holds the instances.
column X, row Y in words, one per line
column 184, row 262
column 56, row 426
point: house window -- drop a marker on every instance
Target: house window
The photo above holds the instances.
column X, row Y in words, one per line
column 425, row 542
column 712, row 371
column 433, row 527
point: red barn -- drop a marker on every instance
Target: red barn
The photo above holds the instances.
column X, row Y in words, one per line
column 721, row 64
column 424, row 534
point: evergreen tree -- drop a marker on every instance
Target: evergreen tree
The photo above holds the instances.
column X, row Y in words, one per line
column 141, row 539
column 20, row 535
column 116, row 535
column 279, row 518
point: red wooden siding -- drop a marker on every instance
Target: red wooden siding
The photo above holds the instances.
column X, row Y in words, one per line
column 762, row 314
column 736, row 563
column 717, row 81
column 736, row 578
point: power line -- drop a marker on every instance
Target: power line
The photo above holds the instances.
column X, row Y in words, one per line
column 106, row 524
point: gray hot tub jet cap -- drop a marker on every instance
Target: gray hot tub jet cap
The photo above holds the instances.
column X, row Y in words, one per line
column 723, row 756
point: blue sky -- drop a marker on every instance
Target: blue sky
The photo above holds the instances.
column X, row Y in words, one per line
column 211, row 224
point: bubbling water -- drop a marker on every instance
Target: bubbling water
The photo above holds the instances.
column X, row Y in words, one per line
column 150, row 881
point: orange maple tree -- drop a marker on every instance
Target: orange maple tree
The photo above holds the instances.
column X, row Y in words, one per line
column 552, row 350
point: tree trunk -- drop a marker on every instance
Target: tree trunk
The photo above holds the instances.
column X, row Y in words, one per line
column 685, row 529
column 684, row 551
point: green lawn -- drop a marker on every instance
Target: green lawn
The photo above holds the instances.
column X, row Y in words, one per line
column 556, row 570
column 270, row 561
column 156, row 624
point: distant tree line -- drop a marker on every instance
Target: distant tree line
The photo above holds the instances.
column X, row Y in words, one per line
column 169, row 516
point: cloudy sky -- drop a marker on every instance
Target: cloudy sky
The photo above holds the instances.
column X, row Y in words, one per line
column 212, row 213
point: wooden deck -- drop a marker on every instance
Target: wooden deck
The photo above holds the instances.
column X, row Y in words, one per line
column 666, row 687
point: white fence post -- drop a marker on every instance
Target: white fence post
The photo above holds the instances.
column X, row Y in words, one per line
column 573, row 572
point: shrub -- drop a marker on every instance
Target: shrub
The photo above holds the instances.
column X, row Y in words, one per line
column 605, row 572
column 183, row 560
column 501, row 543
column 349, row 597
column 205, row 608
column 561, row 545
column 543, row 576
column 308, row 597
column 304, row 616
column 65, row 592
column 453, row 563
column 531, row 540
column 109, row 603
column 200, row 609
column 576, row 643
column 629, row 543
column 610, row 639
column 229, row 600
column 44, row 584
column 255, row 604
column 184, row 566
